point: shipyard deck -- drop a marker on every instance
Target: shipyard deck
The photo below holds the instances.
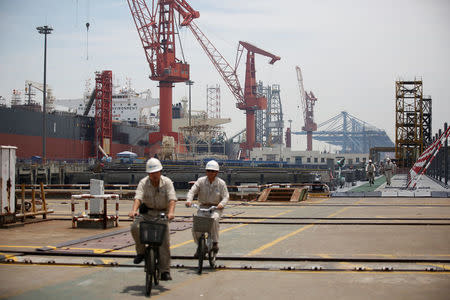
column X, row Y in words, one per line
column 322, row 248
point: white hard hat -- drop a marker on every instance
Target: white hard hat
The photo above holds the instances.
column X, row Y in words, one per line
column 153, row 165
column 370, row 160
column 212, row 165
column 388, row 159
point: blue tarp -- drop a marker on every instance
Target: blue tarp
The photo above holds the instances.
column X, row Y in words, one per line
column 128, row 154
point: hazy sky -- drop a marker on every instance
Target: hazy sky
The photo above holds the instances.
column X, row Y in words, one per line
column 351, row 52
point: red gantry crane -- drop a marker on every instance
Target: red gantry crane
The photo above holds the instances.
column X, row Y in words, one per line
column 103, row 113
column 308, row 101
column 158, row 40
column 247, row 99
column 157, row 30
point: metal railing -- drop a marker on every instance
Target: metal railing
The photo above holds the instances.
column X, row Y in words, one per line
column 439, row 167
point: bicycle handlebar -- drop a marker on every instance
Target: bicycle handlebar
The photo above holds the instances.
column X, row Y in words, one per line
column 161, row 216
column 209, row 209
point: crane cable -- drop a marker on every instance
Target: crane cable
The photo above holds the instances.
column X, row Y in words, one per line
column 179, row 41
column 87, row 41
column 87, row 31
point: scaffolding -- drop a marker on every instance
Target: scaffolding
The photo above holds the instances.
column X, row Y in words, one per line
column 260, row 120
column 213, row 102
column 427, row 136
column 409, row 140
column 203, row 139
column 269, row 123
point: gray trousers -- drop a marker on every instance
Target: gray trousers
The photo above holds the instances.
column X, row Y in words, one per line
column 388, row 174
column 164, row 249
column 215, row 228
column 370, row 176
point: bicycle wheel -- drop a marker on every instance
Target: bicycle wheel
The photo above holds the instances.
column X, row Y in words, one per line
column 157, row 274
column 201, row 253
column 212, row 258
column 149, row 256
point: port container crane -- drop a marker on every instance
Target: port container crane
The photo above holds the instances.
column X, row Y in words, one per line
column 157, row 29
column 308, row 101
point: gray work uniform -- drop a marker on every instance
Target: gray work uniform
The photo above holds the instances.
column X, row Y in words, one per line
column 388, row 171
column 209, row 194
column 157, row 200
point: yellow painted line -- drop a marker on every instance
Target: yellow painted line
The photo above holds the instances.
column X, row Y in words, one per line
column 233, row 227
column 101, row 251
column 230, row 228
column 282, row 238
column 181, row 244
column 124, row 251
column 320, row 201
column 268, row 245
column 108, row 261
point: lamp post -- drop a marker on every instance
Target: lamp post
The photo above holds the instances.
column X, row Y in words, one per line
column 189, row 83
column 44, row 30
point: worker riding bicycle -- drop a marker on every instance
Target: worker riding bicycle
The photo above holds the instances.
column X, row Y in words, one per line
column 212, row 191
column 155, row 194
column 370, row 170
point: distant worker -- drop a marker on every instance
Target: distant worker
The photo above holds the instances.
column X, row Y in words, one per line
column 388, row 171
column 212, row 191
column 155, row 194
column 370, row 171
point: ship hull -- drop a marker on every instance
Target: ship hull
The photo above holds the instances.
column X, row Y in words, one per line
column 69, row 137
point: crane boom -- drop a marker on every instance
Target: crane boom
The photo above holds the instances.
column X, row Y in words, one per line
column 248, row 99
column 308, row 101
column 260, row 51
column 227, row 72
column 302, row 91
column 146, row 28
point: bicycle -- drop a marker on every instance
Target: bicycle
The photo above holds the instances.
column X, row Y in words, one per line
column 204, row 224
column 152, row 235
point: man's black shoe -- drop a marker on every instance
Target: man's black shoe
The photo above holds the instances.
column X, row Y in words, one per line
column 166, row 276
column 138, row 259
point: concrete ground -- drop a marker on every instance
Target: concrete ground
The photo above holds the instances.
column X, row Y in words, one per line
column 331, row 242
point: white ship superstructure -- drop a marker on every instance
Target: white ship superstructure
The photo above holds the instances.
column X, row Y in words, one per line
column 127, row 105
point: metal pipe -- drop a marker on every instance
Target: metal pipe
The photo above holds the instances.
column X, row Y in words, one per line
column 44, row 30
column 190, row 83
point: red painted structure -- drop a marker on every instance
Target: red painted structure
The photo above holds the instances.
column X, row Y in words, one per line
column 288, row 137
column 252, row 101
column 248, row 99
column 103, row 112
column 64, row 149
column 308, row 101
column 156, row 29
